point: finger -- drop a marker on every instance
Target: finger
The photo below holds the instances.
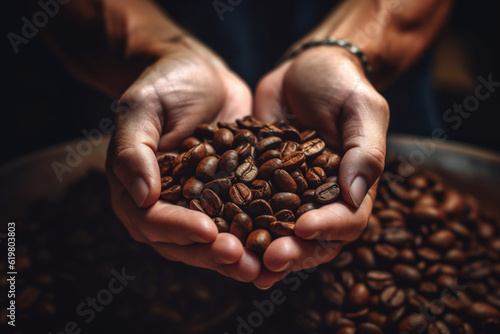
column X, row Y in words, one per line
column 131, row 154
column 365, row 119
column 238, row 102
column 292, row 253
column 336, row 221
column 268, row 278
column 225, row 255
column 164, row 222
column 269, row 103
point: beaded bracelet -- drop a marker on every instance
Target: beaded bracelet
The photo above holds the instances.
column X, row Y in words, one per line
column 335, row 42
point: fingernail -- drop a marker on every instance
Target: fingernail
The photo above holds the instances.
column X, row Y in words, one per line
column 285, row 267
column 263, row 287
column 221, row 260
column 139, row 191
column 315, row 235
column 358, row 190
column 197, row 238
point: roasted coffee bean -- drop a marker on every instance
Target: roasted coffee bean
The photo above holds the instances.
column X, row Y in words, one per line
column 259, row 207
column 241, row 226
column 442, row 239
column 327, row 193
column 334, row 293
column 166, row 182
column 228, row 161
column 27, row 297
column 309, row 319
column 429, row 254
column 211, row 203
column 343, row 259
column 392, row 296
column 207, row 168
column 281, row 229
column 328, row 162
column 369, row 328
column 267, row 170
column 246, row 172
column 223, row 140
column 244, row 137
column 414, row 323
column 313, row 148
column 358, row 296
column 309, row 196
column 192, row 157
column 407, row 273
column 266, row 144
column 315, row 177
column 249, row 122
column 288, row 147
column 285, row 215
column 231, row 210
column 377, row 318
column 261, row 190
column 189, row 143
column 210, row 149
column 482, row 311
column 220, row 186
column 293, row 161
column 221, row 224
column 264, row 221
column 304, row 208
column 171, row 194
column 386, row 252
column 240, row 194
column 205, row 131
column 300, row 181
column 290, row 133
column 285, row 200
column 284, row 181
column 192, row 188
column 268, row 155
column 269, row 130
column 244, row 151
column 378, row 280
column 307, row 135
column 195, row 204
column 258, row 241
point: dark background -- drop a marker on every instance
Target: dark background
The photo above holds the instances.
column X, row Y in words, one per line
column 44, row 105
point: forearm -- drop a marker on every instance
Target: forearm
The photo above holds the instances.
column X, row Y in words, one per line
column 393, row 34
column 109, row 43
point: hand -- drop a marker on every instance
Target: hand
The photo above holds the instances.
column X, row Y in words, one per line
column 187, row 86
column 325, row 89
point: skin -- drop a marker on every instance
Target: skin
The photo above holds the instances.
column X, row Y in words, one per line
column 132, row 50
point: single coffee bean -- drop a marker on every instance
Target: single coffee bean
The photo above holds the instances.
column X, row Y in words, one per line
column 250, row 123
column 268, row 155
column 228, row 161
column 189, row 143
column 315, row 177
column 377, row 318
column 205, row 131
column 192, row 157
column 428, row 254
column 290, row 133
column 264, row 221
column 309, row 196
column 343, row 259
column 293, row 160
column 313, row 148
column 210, row 149
column 221, row 224
column 366, row 257
column 246, row 172
column 195, row 204
column 413, row 323
column 285, row 200
column 442, row 239
column 223, row 140
column 261, row 190
column 231, row 210
column 304, row 208
column 268, row 143
column 438, row 327
column 244, row 151
column 244, row 137
column 407, row 273
column 307, row 135
column 378, row 280
column 219, row 186
column 259, row 207
column 327, row 193
column 285, row 215
column 27, row 297
column 179, row 171
column 241, row 226
column 207, row 168
column 269, row 130
column 211, row 203
column 288, row 147
column 171, row 194
column 358, row 296
column 192, row 188
column 240, row 194
column 284, row 181
column 328, row 162
column 281, row 229
column 392, row 296
column 482, row 310
column 427, row 288
column 397, row 236
column 258, row 241
column 300, row 181
column 267, row 170
column 407, row 255
column 386, row 252
column 369, row 328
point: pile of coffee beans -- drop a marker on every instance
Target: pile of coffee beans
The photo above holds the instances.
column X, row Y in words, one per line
column 254, row 179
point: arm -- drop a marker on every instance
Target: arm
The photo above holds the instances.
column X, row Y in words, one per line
column 326, row 88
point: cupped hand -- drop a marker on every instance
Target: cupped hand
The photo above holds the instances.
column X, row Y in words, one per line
column 326, row 89
column 185, row 87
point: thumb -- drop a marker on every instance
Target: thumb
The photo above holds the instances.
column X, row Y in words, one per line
column 363, row 127
column 132, row 152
